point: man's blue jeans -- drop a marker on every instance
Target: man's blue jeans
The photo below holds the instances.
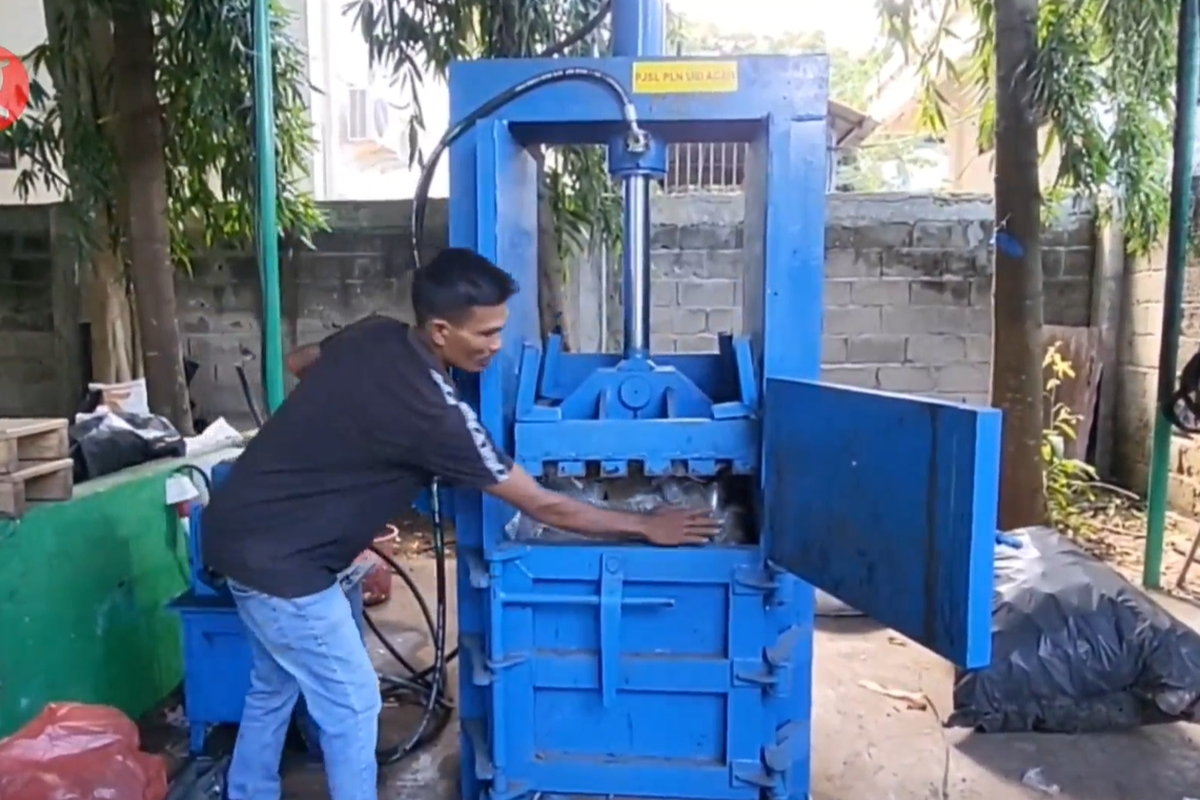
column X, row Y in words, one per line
column 308, row 646
column 352, row 586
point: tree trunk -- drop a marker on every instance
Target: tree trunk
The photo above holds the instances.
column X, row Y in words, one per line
column 106, row 308
column 144, row 173
column 1017, row 355
column 106, row 290
column 78, row 72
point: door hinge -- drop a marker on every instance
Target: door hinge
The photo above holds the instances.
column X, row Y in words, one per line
column 477, row 571
column 754, row 672
column 773, row 773
column 755, row 580
column 773, row 673
column 749, row 773
column 779, row 759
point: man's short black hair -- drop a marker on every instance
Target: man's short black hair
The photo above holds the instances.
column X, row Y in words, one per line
column 456, row 281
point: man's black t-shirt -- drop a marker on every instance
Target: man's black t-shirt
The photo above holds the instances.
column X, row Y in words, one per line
column 374, row 418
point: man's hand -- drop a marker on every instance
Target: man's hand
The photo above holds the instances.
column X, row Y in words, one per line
column 666, row 527
column 670, row 527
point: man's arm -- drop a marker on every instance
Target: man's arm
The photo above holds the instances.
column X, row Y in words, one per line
column 299, row 360
column 556, row 510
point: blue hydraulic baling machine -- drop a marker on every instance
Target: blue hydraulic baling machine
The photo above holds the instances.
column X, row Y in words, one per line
column 630, row 670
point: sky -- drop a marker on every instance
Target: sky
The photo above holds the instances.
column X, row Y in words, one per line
column 849, row 24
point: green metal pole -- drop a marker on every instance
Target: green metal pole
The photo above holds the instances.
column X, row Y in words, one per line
column 268, row 218
column 1186, row 70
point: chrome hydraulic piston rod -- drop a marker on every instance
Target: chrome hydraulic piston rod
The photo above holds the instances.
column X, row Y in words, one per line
column 636, row 265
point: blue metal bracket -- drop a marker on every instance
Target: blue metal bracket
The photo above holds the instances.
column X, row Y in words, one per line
column 567, row 405
column 612, row 581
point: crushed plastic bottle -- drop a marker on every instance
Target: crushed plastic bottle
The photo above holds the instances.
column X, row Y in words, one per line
column 641, row 495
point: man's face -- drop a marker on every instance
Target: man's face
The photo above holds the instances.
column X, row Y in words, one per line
column 472, row 344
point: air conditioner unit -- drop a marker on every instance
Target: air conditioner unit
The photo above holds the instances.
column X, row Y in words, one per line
column 358, row 128
column 387, row 122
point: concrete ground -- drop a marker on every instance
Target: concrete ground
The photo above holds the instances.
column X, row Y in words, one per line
column 867, row 745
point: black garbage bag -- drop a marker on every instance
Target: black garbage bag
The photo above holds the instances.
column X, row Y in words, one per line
column 1076, row 647
column 110, row 441
column 200, row 779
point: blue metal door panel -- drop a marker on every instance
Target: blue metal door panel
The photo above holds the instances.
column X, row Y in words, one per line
column 889, row 503
column 632, row 671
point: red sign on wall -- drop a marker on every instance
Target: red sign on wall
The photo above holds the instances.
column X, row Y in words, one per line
column 14, row 89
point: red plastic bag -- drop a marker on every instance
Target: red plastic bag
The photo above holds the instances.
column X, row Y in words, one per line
column 72, row 751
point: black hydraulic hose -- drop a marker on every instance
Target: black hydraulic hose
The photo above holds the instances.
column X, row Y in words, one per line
column 245, row 382
column 430, row 683
column 637, row 137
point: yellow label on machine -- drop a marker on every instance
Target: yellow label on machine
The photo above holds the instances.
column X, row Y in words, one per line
column 685, row 77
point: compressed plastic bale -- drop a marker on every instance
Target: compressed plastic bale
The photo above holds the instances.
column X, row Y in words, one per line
column 640, row 495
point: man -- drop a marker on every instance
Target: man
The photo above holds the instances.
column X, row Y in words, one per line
column 374, row 417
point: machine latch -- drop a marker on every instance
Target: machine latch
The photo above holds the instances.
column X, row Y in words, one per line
column 483, row 670
column 751, row 672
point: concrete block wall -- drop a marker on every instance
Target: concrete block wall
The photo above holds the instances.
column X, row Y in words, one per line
column 908, row 282
column 1139, row 341
column 907, row 294
column 362, row 265
column 27, row 324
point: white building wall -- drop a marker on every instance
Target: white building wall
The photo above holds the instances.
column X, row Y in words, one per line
column 24, row 27
column 350, row 170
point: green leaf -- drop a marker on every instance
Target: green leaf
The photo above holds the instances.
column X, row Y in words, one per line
column 1103, row 83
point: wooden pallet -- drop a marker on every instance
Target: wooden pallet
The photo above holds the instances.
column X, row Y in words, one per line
column 31, row 439
column 35, row 463
column 36, row 480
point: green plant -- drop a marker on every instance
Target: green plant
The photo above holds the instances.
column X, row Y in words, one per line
column 1067, row 481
